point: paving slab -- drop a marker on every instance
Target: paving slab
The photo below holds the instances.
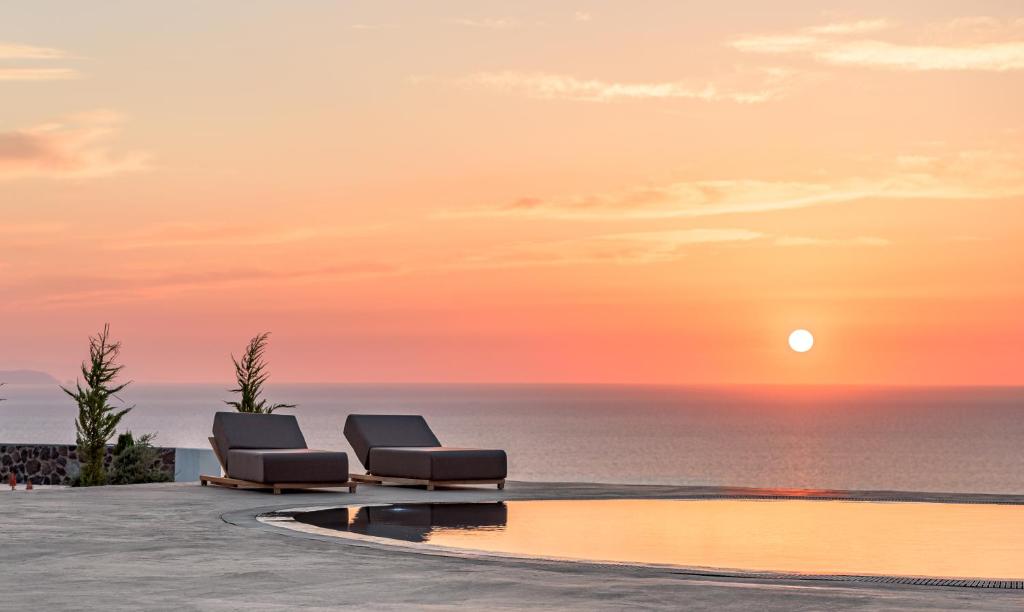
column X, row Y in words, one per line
column 179, row 546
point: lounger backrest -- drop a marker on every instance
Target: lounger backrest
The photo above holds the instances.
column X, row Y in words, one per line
column 366, row 431
column 235, row 430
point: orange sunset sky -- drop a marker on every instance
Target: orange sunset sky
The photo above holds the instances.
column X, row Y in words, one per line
column 634, row 192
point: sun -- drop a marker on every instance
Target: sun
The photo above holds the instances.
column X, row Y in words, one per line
column 801, row 340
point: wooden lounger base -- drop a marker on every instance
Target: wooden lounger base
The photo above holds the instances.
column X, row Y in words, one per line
column 235, row 483
column 430, row 484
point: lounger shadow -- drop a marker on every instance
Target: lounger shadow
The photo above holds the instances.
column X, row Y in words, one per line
column 401, row 449
column 409, row 522
column 268, row 451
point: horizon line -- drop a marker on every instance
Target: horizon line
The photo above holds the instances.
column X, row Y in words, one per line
column 572, row 384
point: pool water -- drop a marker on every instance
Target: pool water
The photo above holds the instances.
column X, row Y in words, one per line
column 942, row 540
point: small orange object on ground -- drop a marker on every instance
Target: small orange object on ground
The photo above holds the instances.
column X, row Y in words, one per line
column 13, row 481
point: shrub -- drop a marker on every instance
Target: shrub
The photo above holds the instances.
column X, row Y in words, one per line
column 135, row 461
column 97, row 419
column 250, row 374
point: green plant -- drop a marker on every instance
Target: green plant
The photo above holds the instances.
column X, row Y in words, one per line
column 135, row 461
column 250, row 374
column 97, row 419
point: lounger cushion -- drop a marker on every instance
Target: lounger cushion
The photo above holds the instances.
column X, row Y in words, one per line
column 438, row 463
column 366, row 431
column 288, row 465
column 234, row 430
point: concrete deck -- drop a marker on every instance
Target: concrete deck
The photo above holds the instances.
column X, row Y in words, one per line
column 167, row 547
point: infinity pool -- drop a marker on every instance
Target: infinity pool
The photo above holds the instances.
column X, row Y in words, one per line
column 790, row 536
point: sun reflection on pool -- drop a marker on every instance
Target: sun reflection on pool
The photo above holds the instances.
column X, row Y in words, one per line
column 793, row 536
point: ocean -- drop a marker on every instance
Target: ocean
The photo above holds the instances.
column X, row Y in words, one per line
column 909, row 439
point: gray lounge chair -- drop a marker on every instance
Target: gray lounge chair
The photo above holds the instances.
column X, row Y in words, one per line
column 401, row 449
column 268, row 451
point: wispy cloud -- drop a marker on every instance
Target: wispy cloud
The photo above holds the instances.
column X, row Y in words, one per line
column 372, row 26
column 191, row 236
column 16, row 51
column 582, row 16
column 838, row 44
column 799, row 241
column 548, row 86
column 806, row 39
column 976, row 174
column 76, row 147
column 29, row 229
column 771, row 43
column 16, row 236
column 19, row 52
column 635, row 248
column 851, row 27
column 642, row 248
column 38, row 74
column 685, row 236
column 678, row 200
column 995, row 57
column 489, row 23
column 133, row 286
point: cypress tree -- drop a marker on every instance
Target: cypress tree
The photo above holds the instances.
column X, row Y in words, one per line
column 250, row 374
column 97, row 418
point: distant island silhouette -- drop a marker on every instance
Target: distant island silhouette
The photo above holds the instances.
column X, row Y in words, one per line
column 27, row 377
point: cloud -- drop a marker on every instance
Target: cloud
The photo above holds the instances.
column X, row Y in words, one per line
column 776, row 43
column 147, row 284
column 634, row 248
column 488, row 23
column 16, row 236
column 372, row 26
column 548, row 86
column 77, row 147
column 191, row 236
column 679, row 200
column 640, row 248
column 916, row 161
column 833, row 44
column 798, row 241
column 15, row 51
column 851, row 27
column 974, row 174
column 684, row 236
column 38, row 74
column 30, row 229
column 978, row 28
column 995, row 57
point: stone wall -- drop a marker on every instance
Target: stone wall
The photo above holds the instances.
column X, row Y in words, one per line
column 58, row 464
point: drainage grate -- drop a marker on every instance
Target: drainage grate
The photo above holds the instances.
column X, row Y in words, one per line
column 941, row 582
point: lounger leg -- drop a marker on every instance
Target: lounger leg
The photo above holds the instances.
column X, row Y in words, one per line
column 203, row 482
column 277, row 491
column 430, row 487
column 501, row 486
column 352, row 488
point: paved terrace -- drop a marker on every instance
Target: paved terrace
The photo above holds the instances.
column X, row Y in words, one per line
column 169, row 547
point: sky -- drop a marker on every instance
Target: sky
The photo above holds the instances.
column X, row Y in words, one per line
column 584, row 192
